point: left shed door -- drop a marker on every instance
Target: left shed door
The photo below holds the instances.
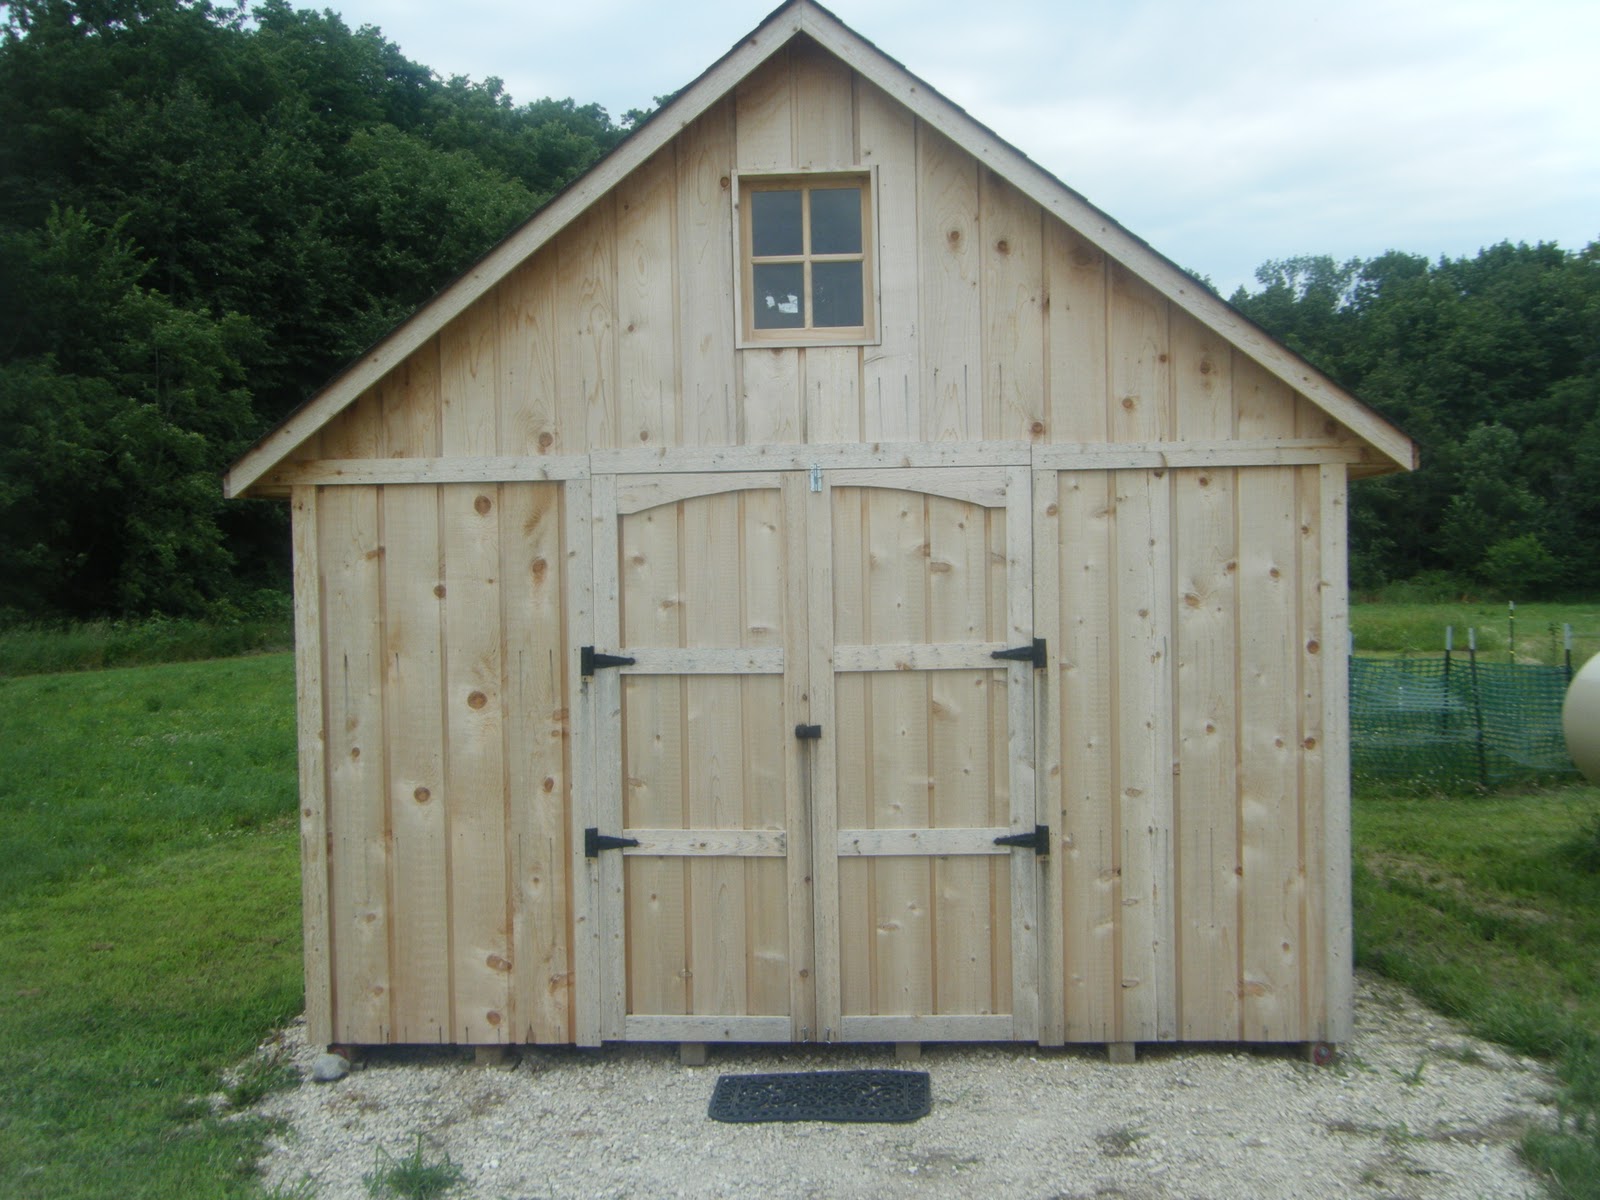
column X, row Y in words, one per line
column 715, row 938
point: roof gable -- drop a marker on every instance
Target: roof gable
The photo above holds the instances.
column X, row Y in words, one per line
column 796, row 18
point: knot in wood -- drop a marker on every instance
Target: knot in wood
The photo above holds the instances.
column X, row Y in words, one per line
column 482, row 505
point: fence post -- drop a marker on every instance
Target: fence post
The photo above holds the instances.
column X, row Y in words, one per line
column 1477, row 706
column 1511, row 631
column 1444, row 708
column 1566, row 637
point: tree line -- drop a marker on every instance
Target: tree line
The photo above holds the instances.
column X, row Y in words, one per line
column 206, row 211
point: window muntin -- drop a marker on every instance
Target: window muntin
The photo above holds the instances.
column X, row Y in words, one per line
column 806, row 270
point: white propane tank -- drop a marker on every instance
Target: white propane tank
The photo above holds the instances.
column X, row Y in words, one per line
column 1580, row 719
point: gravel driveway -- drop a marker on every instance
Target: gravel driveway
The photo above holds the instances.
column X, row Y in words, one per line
column 1414, row 1108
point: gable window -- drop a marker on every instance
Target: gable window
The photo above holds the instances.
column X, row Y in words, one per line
column 806, row 259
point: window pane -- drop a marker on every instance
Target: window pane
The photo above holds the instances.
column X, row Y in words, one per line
column 836, row 298
column 780, row 295
column 775, row 223
column 836, row 221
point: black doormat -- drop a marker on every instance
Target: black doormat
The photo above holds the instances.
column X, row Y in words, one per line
column 823, row 1096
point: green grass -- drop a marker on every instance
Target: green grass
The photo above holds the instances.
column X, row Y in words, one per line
column 95, row 645
column 1487, row 908
column 417, row 1176
column 1400, row 627
column 149, row 923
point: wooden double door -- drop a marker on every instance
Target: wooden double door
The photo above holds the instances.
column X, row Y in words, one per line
column 804, row 749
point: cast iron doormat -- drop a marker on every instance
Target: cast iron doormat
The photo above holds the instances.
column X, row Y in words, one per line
column 823, row 1096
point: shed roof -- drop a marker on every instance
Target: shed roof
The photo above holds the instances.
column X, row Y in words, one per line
column 792, row 19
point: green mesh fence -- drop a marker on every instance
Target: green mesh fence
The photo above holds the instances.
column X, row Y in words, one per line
column 1449, row 720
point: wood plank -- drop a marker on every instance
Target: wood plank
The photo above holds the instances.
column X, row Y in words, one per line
column 607, row 879
column 468, row 380
column 1091, row 823
column 1337, row 950
column 642, row 492
column 1202, row 383
column 706, row 1029
column 1312, row 737
column 310, row 676
column 769, row 396
column 824, row 109
column 647, row 382
column 764, row 116
column 411, row 406
column 475, row 768
column 1176, row 455
column 952, row 656
column 586, row 336
column 972, row 485
column 880, row 843
column 413, row 587
column 950, row 264
column 832, row 410
column 536, row 770
column 359, row 912
column 708, row 843
column 706, row 315
column 1270, row 887
column 704, row 660
column 1144, row 753
column 891, row 388
column 1075, row 272
column 1264, row 405
column 579, row 537
column 1137, row 350
column 800, row 762
column 1012, row 291
column 1205, row 549
column 1021, row 752
column 462, row 469
column 824, row 578
column 702, row 460
column 927, row 1028
column 529, row 422
column 1045, row 593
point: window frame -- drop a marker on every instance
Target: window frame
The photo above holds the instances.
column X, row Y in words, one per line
column 747, row 336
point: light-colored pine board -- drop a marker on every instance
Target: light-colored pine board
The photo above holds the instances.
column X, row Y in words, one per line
column 1045, row 593
column 1270, row 886
column 769, row 402
column 348, row 556
column 469, row 380
column 706, row 1029
column 1205, row 565
column 824, row 108
column 891, row 391
column 1017, row 735
column 527, row 359
column 837, row 612
column 605, row 873
column 972, row 485
column 586, row 335
column 1264, row 405
column 475, row 768
column 639, row 492
column 1312, row 787
column 950, row 263
column 651, row 609
column 919, row 656
column 716, row 749
column 928, row 1027
column 414, row 743
column 703, row 660
column 364, row 472
column 411, row 405
column 1091, row 892
column 764, row 116
column 706, row 316
column 1075, row 272
column 1137, row 350
column 310, row 675
column 798, row 761
column 1013, row 291
column 1337, row 949
column 580, row 535
column 803, row 458
column 1144, row 753
column 1202, row 382
column 877, row 843
column 712, row 843
column 536, row 771
column 832, row 393
column 647, row 338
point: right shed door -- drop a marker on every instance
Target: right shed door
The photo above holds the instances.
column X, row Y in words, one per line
column 926, row 928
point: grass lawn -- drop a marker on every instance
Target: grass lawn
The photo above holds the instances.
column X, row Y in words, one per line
column 149, row 921
column 1418, row 628
column 1489, row 909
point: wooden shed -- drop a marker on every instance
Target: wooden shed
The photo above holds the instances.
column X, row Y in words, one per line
column 820, row 579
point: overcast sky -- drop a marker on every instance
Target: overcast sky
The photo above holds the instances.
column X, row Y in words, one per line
column 1223, row 132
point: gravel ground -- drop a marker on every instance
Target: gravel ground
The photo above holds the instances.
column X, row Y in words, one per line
column 1414, row 1109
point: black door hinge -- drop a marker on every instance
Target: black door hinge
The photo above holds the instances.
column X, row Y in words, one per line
column 590, row 660
column 594, row 841
column 1039, row 839
column 808, row 733
column 1034, row 654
